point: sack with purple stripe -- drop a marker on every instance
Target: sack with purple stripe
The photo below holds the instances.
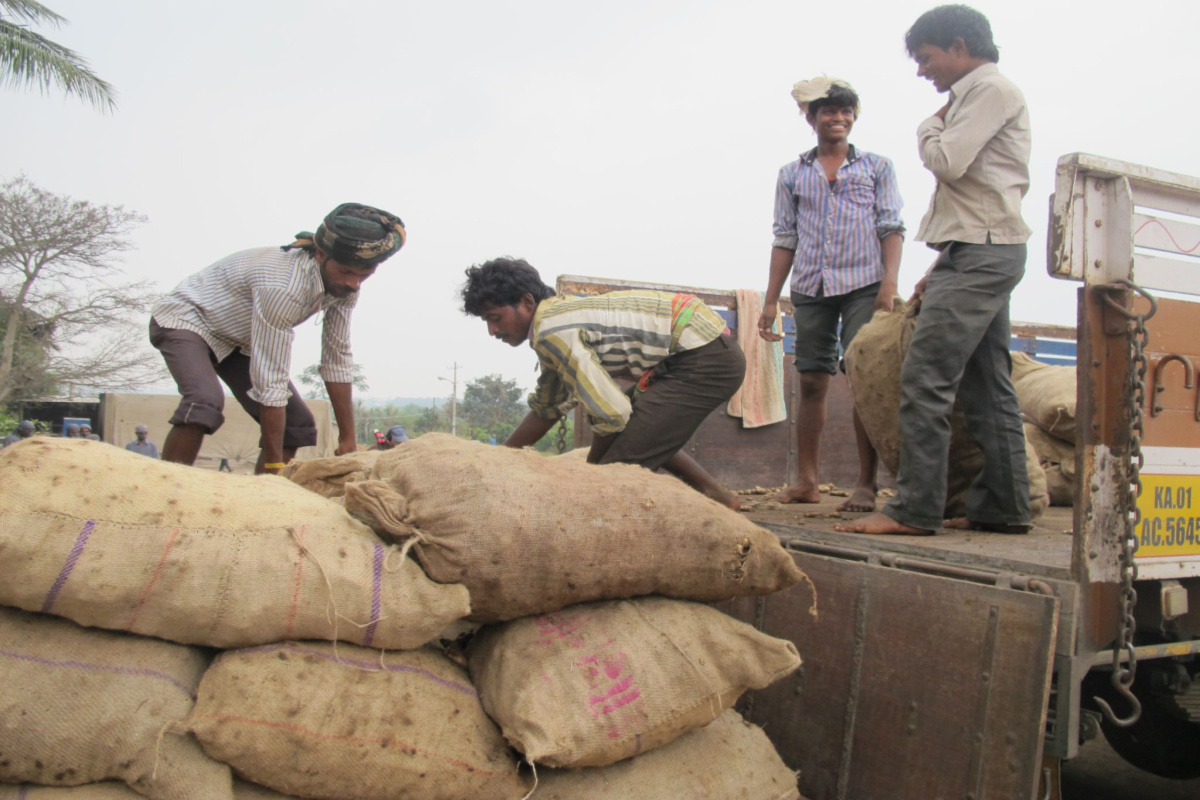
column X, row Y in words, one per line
column 319, row 720
column 81, row 706
column 115, row 540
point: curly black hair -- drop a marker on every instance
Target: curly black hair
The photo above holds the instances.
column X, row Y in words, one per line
column 501, row 282
column 942, row 25
column 839, row 97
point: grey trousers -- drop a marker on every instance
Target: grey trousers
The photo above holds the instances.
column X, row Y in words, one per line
column 961, row 348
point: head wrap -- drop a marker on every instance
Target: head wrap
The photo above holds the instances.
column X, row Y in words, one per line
column 25, row 426
column 141, row 429
column 355, row 235
column 397, row 434
column 72, row 429
column 806, row 92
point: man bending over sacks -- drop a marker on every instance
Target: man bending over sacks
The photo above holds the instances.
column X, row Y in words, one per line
column 672, row 345
column 234, row 320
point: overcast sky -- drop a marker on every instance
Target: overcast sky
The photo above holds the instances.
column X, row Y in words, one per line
column 626, row 140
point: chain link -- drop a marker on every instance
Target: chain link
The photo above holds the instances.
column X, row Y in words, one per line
column 1123, row 674
column 562, row 435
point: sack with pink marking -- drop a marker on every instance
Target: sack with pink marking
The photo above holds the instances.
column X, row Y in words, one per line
column 81, row 705
column 600, row 682
column 115, row 540
column 349, row 723
column 729, row 758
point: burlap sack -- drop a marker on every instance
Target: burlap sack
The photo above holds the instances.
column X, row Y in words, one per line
column 80, row 705
column 596, row 683
column 1058, row 460
column 115, row 540
column 727, row 760
column 353, row 724
column 244, row 790
column 1047, row 394
column 873, row 364
column 109, row 790
column 529, row 534
column 328, row 476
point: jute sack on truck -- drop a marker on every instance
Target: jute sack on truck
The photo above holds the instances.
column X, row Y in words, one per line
column 244, row 790
column 109, row 790
column 348, row 723
column 81, row 705
column 115, row 540
column 600, row 682
column 1058, row 460
column 729, row 759
column 1047, row 394
column 328, row 476
column 528, row 534
column 873, row 363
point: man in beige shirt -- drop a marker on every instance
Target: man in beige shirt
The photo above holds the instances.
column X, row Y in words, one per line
column 977, row 145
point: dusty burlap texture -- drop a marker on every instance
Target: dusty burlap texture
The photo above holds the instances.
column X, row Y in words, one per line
column 328, row 476
column 350, row 723
column 80, row 705
column 600, row 682
column 529, row 534
column 873, row 363
column 116, row 540
column 244, row 790
column 1058, row 460
column 1047, row 394
column 730, row 759
column 109, row 790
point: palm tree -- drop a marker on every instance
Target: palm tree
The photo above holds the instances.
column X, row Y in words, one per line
column 27, row 58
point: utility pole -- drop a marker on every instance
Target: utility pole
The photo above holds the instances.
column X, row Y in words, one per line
column 453, row 398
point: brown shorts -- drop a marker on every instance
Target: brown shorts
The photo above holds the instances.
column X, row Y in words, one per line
column 685, row 389
column 195, row 369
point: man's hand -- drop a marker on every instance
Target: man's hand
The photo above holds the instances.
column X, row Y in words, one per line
column 941, row 114
column 346, row 444
column 886, row 299
column 766, row 323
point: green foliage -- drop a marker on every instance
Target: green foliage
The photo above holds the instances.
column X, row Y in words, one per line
column 549, row 442
column 416, row 419
column 30, row 59
column 492, row 404
column 9, row 423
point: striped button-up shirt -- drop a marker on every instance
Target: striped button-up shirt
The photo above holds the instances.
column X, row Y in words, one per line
column 835, row 230
column 583, row 342
column 251, row 301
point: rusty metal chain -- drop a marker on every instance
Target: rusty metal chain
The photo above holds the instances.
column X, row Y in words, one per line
column 562, row 435
column 1123, row 674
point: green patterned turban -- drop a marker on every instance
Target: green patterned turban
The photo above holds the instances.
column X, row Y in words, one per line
column 355, row 235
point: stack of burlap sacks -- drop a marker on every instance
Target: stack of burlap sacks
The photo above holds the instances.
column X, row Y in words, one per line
column 1046, row 395
column 181, row 634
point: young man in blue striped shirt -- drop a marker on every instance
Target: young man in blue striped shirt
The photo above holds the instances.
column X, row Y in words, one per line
column 838, row 232
column 234, row 321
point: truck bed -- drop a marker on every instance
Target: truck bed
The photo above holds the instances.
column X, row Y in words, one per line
column 1043, row 552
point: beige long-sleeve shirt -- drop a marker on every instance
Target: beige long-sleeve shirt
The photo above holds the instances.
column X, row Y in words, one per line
column 980, row 156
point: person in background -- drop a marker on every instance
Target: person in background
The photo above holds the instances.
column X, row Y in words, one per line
column 143, row 445
column 233, row 322
column 85, row 432
column 71, row 431
column 395, row 435
column 23, row 431
column 838, row 232
column 977, row 145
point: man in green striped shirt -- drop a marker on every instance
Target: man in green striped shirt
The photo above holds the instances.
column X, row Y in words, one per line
column 671, row 345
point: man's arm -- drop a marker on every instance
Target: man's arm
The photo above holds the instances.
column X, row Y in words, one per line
column 341, row 397
column 271, row 420
column 530, row 431
column 889, row 226
column 891, row 246
column 781, row 267
column 947, row 149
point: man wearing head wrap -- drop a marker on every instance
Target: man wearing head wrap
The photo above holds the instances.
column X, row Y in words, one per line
column 839, row 233
column 395, row 435
column 142, row 444
column 24, row 431
column 85, row 432
column 71, row 431
column 234, row 321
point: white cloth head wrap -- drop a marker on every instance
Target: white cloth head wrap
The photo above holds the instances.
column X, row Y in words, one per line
column 806, row 92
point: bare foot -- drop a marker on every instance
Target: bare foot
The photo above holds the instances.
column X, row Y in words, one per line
column 964, row 524
column 881, row 523
column 863, row 499
column 796, row 493
column 726, row 498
